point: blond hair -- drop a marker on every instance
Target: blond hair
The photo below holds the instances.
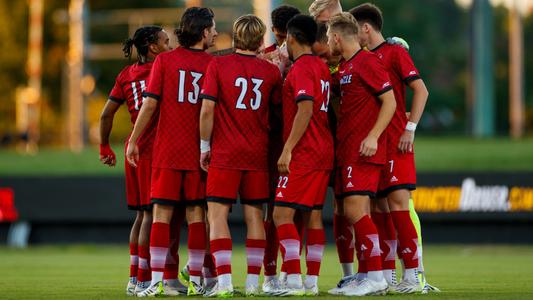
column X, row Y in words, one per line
column 344, row 23
column 248, row 33
column 318, row 6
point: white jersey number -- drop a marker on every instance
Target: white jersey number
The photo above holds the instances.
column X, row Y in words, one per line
column 192, row 96
column 255, row 102
column 137, row 96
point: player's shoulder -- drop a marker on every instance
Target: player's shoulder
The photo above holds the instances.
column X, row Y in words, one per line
column 125, row 73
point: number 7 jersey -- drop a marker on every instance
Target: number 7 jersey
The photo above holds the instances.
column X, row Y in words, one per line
column 175, row 82
column 309, row 79
column 243, row 87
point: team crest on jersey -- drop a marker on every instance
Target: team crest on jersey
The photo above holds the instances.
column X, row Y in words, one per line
column 346, row 79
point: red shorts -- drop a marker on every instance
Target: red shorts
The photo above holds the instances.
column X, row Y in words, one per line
column 358, row 178
column 174, row 187
column 399, row 173
column 302, row 189
column 223, row 185
column 138, row 185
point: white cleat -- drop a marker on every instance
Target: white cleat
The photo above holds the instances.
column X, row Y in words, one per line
column 141, row 286
column 130, row 288
column 153, row 290
column 174, row 289
column 269, row 286
column 342, row 283
column 292, row 291
column 408, row 287
column 311, row 290
column 366, row 287
column 220, row 292
column 252, row 291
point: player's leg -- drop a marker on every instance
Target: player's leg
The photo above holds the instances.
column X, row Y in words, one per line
column 271, row 251
column 315, row 243
column 143, row 173
column 134, row 203
column 382, row 218
column 171, row 284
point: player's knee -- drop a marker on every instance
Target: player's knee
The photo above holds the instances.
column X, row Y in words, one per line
column 399, row 200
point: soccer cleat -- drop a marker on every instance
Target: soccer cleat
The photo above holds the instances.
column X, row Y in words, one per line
column 269, row 286
column 153, row 290
column 130, row 288
column 252, row 291
column 342, row 283
column 218, row 292
column 408, row 287
column 288, row 292
column 174, row 290
column 183, row 275
column 209, row 284
column 311, row 290
column 195, row 289
column 141, row 286
column 366, row 287
column 426, row 287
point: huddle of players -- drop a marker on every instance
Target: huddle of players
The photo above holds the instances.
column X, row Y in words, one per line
column 220, row 115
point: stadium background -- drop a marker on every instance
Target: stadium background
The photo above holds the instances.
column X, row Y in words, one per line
column 474, row 146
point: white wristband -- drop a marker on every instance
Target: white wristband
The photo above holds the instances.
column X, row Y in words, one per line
column 205, row 146
column 410, row 126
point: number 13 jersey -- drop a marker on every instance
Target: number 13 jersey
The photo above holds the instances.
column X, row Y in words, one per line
column 175, row 82
column 243, row 87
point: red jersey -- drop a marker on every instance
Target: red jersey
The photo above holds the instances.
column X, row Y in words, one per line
column 175, row 82
column 243, row 86
column 309, row 79
column 271, row 48
column 402, row 71
column 363, row 78
column 129, row 86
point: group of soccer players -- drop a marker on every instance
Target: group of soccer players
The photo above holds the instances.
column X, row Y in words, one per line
column 258, row 124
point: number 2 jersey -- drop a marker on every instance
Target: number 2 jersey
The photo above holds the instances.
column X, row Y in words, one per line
column 309, row 79
column 129, row 86
column 175, row 82
column 243, row 87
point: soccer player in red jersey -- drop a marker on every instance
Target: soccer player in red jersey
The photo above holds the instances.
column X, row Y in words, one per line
column 177, row 180
column 399, row 174
column 367, row 106
column 149, row 41
column 234, row 122
column 280, row 17
column 307, row 156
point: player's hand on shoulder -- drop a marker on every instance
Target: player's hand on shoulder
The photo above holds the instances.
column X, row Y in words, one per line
column 284, row 161
column 406, row 141
column 398, row 41
column 107, row 156
column 369, row 146
column 205, row 159
column 132, row 154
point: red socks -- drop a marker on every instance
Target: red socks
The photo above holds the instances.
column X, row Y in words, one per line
column 290, row 247
column 134, row 260
column 221, row 250
column 387, row 239
column 143, row 273
column 407, row 238
column 159, row 242
column 367, row 236
column 316, row 239
column 271, row 250
column 197, row 242
column 255, row 254
column 342, row 230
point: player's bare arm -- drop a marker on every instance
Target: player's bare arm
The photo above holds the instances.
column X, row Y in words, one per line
column 145, row 115
column 299, row 126
column 420, row 97
column 207, row 115
column 369, row 146
column 107, row 156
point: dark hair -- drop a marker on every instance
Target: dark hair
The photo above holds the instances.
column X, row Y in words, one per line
column 368, row 13
column 303, row 29
column 281, row 16
column 192, row 25
column 142, row 38
column 321, row 33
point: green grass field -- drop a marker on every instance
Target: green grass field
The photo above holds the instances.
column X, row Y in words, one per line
column 100, row 272
column 432, row 154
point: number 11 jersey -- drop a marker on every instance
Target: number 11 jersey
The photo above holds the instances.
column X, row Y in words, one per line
column 243, row 87
column 175, row 82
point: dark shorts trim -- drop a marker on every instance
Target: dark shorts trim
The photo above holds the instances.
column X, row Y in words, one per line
column 293, row 205
column 134, row 207
column 221, row 200
column 255, row 201
column 318, row 207
column 175, row 203
column 359, row 193
column 387, row 191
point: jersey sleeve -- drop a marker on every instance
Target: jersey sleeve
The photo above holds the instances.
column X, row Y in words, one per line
column 404, row 66
column 303, row 85
column 210, row 86
column 155, row 80
column 374, row 74
column 117, row 94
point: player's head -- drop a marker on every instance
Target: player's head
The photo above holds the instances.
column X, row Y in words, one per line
column 197, row 25
column 320, row 47
column 301, row 33
column 342, row 30
column 248, row 33
column 370, row 21
column 148, row 41
column 280, row 17
column 323, row 10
